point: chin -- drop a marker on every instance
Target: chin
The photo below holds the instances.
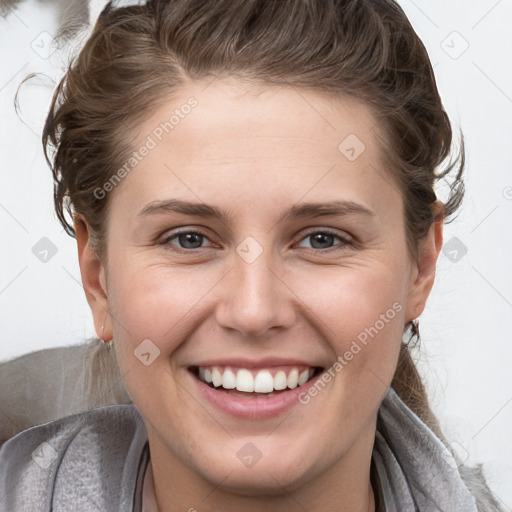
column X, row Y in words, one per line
column 269, row 476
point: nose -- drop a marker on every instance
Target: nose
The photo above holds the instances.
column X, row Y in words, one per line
column 255, row 300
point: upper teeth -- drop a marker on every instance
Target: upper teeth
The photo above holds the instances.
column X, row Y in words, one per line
column 260, row 381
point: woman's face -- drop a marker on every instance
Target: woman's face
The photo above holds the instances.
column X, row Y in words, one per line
column 268, row 285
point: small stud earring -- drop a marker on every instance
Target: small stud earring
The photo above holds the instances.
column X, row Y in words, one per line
column 106, row 342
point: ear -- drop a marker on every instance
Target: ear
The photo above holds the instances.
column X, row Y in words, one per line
column 93, row 279
column 423, row 272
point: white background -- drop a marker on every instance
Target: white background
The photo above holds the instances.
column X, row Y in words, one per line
column 466, row 351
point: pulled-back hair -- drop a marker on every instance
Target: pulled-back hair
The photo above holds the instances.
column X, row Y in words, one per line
column 136, row 56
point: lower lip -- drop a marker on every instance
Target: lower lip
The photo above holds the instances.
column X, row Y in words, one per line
column 253, row 408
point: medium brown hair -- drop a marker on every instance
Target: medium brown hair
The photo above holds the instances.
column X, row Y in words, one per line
column 136, row 56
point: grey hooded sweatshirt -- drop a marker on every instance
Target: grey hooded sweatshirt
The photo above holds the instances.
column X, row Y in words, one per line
column 96, row 461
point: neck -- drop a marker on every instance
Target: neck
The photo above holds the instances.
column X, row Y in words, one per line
column 345, row 486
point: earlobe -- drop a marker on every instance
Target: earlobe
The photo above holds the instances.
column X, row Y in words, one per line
column 423, row 275
column 93, row 278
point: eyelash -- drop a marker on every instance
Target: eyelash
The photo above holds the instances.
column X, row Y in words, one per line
column 345, row 241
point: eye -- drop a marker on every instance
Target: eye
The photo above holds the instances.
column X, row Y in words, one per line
column 322, row 240
column 185, row 239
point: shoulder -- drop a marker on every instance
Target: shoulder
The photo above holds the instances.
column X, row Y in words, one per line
column 70, row 460
column 411, row 457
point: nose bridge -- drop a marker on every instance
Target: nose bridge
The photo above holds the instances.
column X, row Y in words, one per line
column 255, row 300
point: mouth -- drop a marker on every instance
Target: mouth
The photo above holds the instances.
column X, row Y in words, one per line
column 255, row 382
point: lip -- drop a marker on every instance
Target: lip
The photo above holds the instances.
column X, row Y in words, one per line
column 251, row 408
column 260, row 363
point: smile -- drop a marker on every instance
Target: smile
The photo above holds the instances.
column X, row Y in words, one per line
column 254, row 382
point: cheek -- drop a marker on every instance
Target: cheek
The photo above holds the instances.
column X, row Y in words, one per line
column 155, row 308
column 361, row 314
column 155, row 301
column 352, row 299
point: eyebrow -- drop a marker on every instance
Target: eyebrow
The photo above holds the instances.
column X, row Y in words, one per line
column 300, row 210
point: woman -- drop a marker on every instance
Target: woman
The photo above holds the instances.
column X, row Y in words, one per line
column 251, row 188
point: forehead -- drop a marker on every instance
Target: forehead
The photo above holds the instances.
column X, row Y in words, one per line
column 239, row 145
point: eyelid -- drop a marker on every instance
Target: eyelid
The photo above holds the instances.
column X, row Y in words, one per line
column 170, row 235
column 346, row 239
